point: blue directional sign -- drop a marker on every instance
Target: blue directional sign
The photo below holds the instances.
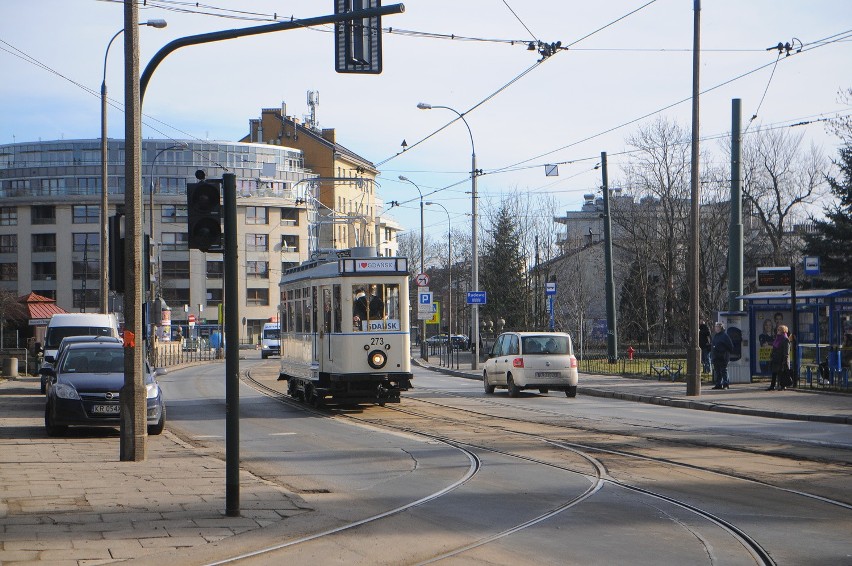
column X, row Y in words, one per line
column 550, row 289
column 476, row 297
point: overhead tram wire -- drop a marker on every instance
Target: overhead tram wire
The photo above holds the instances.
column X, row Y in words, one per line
column 844, row 35
column 517, row 78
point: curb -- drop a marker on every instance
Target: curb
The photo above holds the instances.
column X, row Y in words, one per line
column 669, row 401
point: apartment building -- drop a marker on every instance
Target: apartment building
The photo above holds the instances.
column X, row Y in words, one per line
column 50, row 222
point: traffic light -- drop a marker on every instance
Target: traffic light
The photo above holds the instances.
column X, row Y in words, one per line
column 204, row 215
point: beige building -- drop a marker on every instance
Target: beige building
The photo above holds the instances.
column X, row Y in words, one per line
column 348, row 208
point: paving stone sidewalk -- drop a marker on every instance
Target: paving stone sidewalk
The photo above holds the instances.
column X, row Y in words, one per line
column 71, row 501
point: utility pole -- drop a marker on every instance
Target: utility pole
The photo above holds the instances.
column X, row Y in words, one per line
column 132, row 397
column 735, row 230
column 693, row 354
column 611, row 322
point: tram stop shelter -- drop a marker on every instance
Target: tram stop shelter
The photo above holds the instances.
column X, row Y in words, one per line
column 823, row 354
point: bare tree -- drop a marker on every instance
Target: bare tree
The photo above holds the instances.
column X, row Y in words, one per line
column 780, row 176
column 659, row 174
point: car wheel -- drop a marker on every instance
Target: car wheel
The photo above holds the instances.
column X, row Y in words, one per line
column 514, row 390
column 49, row 427
column 263, row 356
column 543, row 390
column 489, row 389
column 157, row 429
column 571, row 391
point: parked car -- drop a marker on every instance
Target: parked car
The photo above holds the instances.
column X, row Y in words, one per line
column 460, row 341
column 531, row 360
column 86, row 381
column 49, row 359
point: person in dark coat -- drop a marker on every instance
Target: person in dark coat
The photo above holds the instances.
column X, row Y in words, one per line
column 705, row 345
column 720, row 353
column 779, row 361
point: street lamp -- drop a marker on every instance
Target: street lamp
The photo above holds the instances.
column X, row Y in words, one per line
column 180, row 145
column 474, row 323
column 423, row 353
column 449, row 275
column 155, row 23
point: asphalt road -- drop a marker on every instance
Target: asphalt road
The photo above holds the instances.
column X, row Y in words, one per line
column 450, row 474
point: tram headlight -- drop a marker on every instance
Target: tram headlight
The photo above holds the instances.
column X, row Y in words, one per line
column 377, row 359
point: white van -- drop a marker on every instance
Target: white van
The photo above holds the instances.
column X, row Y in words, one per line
column 76, row 324
column 270, row 340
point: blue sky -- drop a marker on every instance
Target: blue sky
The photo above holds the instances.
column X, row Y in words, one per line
column 626, row 60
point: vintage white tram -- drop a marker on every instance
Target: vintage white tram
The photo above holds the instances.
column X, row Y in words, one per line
column 345, row 328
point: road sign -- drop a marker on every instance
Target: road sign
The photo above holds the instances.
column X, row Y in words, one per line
column 549, row 289
column 812, row 265
column 191, row 319
column 476, row 298
column 422, row 280
column 424, row 302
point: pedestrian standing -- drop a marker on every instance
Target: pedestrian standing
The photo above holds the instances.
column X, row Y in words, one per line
column 779, row 361
column 721, row 347
column 705, row 345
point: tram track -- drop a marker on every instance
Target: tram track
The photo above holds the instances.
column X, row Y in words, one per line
column 757, row 553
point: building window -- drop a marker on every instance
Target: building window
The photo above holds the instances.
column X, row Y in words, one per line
column 8, row 216
column 9, row 243
column 285, row 265
column 257, row 297
column 44, row 270
column 171, row 186
column 257, row 243
column 173, row 213
column 290, row 216
column 175, row 270
column 87, row 242
column 84, row 214
column 86, row 270
column 86, row 299
column 257, row 269
column 215, row 270
column 52, row 187
column 174, row 241
column 44, row 243
column 214, row 297
column 289, row 243
column 257, row 215
column 88, row 186
column 8, row 271
column 175, row 296
column 43, row 214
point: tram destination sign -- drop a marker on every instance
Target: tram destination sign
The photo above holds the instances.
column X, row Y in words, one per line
column 774, row 278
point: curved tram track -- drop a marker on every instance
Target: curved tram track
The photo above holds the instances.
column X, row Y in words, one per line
column 467, row 428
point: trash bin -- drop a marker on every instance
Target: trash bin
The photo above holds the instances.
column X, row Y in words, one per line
column 10, row 367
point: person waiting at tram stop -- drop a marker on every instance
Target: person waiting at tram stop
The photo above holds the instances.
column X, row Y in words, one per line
column 720, row 355
column 779, row 361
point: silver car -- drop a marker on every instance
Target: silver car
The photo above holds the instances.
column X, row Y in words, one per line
column 531, row 360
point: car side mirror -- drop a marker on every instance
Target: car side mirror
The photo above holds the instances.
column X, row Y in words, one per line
column 160, row 371
column 50, row 359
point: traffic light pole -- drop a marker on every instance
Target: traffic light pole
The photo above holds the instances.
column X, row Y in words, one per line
column 232, row 349
column 257, row 30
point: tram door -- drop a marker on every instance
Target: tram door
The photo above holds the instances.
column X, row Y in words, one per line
column 327, row 324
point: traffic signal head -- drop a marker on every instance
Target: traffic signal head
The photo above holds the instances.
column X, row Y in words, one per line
column 204, row 216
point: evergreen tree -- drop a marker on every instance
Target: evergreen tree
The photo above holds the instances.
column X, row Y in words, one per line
column 832, row 239
column 503, row 272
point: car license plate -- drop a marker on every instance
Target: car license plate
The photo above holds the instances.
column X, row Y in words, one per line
column 547, row 374
column 106, row 409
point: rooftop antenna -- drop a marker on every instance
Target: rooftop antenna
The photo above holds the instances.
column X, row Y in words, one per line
column 313, row 102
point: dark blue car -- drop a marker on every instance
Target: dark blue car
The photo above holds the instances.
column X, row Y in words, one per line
column 85, row 383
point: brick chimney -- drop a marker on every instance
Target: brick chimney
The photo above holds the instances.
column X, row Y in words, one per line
column 328, row 134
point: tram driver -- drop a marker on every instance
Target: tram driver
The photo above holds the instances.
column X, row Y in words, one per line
column 367, row 307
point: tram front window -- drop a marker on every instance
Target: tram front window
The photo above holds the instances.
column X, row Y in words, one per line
column 371, row 305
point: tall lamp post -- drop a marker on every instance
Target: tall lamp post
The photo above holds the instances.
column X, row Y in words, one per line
column 449, row 276
column 474, row 323
column 155, row 23
column 423, row 353
column 151, row 297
